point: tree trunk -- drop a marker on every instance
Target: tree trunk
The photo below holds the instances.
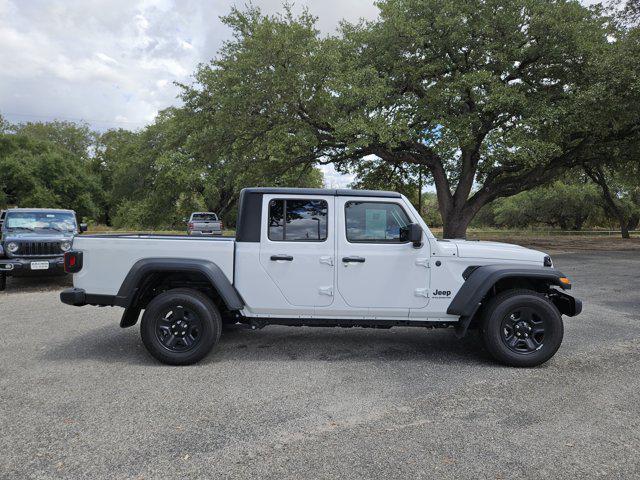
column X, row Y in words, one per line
column 456, row 220
column 624, row 230
column 454, row 228
column 598, row 176
column 420, row 191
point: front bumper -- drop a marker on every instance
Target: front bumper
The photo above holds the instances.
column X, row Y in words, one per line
column 22, row 266
column 566, row 304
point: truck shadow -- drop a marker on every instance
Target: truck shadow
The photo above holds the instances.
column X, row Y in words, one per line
column 351, row 344
column 110, row 344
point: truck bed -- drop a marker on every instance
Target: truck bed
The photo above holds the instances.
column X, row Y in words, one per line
column 114, row 254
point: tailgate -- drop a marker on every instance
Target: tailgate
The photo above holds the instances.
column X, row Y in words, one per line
column 206, row 225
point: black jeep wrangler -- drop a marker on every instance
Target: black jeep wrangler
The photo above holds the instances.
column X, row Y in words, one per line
column 33, row 241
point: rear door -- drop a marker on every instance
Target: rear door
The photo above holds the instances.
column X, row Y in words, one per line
column 298, row 249
column 377, row 270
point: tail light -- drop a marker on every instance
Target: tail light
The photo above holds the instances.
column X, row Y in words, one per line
column 190, row 225
column 72, row 261
column 221, row 226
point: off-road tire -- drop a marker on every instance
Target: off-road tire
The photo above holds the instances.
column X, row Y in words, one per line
column 3, row 281
column 508, row 307
column 174, row 312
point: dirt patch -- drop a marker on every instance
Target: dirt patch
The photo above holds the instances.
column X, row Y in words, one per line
column 565, row 243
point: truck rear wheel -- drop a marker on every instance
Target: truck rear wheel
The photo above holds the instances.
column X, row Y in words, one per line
column 522, row 328
column 180, row 326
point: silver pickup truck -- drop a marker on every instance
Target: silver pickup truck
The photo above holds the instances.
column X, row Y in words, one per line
column 204, row 223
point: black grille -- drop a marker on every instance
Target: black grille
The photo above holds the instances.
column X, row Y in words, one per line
column 38, row 249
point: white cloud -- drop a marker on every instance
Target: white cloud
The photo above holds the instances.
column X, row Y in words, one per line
column 113, row 63
column 333, row 179
column 106, row 58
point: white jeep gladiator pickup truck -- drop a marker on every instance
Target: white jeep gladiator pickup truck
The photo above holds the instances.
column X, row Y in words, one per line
column 317, row 257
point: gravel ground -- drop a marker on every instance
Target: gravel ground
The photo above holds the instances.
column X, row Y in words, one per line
column 81, row 398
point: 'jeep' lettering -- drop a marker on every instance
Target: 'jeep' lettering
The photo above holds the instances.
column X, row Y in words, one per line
column 441, row 293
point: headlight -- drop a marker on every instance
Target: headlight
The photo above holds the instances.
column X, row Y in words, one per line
column 65, row 246
column 12, row 247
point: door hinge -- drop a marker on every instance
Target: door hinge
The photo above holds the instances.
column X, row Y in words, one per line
column 327, row 260
column 421, row 292
column 326, row 291
column 422, row 262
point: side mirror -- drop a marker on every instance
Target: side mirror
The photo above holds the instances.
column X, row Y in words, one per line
column 83, row 227
column 412, row 233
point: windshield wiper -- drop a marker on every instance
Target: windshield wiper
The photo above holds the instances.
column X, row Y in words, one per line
column 23, row 228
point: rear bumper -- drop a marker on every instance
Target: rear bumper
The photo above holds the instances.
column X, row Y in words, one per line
column 199, row 232
column 73, row 296
column 22, row 266
column 78, row 298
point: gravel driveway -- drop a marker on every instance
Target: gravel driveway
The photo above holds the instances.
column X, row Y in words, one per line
column 81, row 398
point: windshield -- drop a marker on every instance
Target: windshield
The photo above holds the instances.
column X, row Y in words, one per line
column 204, row 217
column 35, row 221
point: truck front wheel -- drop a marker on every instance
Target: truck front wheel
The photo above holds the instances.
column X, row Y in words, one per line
column 522, row 328
column 180, row 326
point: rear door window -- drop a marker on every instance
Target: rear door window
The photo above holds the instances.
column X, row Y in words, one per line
column 205, row 217
column 298, row 220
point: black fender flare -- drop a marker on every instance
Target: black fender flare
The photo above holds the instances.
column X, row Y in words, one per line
column 467, row 301
column 130, row 286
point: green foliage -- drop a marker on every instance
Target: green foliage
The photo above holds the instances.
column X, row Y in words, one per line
column 567, row 206
column 41, row 167
column 490, row 94
column 78, row 139
column 177, row 165
column 430, row 211
column 378, row 175
column 483, row 99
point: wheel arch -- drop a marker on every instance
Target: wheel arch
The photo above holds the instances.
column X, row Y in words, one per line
column 150, row 274
column 489, row 280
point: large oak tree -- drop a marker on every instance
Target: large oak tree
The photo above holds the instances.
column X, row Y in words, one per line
column 489, row 97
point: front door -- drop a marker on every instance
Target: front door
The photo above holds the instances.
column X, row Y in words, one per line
column 377, row 270
column 298, row 250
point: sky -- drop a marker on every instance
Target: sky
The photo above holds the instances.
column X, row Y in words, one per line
column 113, row 63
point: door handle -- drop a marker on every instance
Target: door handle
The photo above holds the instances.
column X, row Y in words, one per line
column 353, row 259
column 286, row 258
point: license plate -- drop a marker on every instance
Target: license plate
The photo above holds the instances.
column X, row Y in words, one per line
column 39, row 265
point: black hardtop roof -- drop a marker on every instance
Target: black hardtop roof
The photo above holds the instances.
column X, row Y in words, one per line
column 337, row 192
column 250, row 207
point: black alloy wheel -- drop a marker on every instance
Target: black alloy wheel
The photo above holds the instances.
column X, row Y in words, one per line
column 523, row 330
column 180, row 326
column 179, row 329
